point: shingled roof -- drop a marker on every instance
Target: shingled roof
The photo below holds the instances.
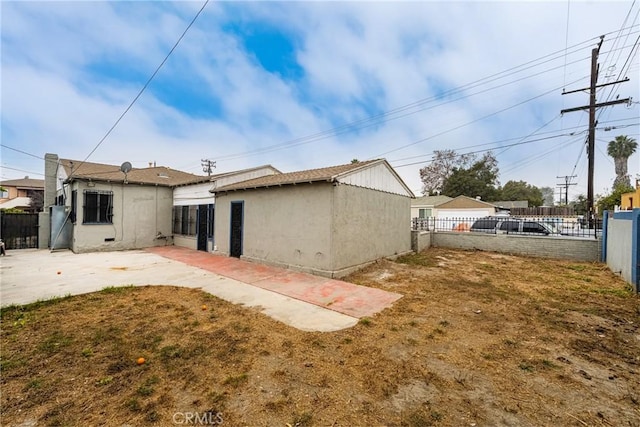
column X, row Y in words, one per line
column 157, row 175
column 24, row 183
column 312, row 175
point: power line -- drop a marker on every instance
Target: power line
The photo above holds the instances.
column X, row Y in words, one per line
column 143, row 87
column 20, row 151
column 21, row 170
column 374, row 120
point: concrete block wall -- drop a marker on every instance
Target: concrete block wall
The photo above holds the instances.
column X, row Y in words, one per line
column 420, row 240
column 538, row 246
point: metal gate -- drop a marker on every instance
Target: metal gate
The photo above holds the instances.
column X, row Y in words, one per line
column 237, row 211
column 19, row 230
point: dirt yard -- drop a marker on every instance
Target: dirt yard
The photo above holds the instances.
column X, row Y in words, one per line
column 479, row 339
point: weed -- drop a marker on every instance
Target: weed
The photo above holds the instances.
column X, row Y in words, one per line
column 236, row 381
column 347, row 340
column 117, row 289
column 146, row 388
column 34, row 384
column 413, row 323
column 618, row 292
column 301, row 420
column 133, row 405
column 439, row 331
column 526, row 367
column 170, row 352
column 577, row 267
column 56, row 341
column 104, row 381
column 444, row 323
column 365, row 321
column 415, row 260
column 87, row 352
column 412, row 341
column 548, row 364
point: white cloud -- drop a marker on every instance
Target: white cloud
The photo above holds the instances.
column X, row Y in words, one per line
column 358, row 59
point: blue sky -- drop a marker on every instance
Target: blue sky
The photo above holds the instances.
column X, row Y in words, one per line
column 310, row 84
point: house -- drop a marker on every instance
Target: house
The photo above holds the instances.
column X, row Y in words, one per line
column 505, row 206
column 425, row 207
column 327, row 221
column 25, row 194
column 630, row 200
column 460, row 212
column 99, row 207
column 194, row 206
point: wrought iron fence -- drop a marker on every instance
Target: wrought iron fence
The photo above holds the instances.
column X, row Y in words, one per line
column 532, row 226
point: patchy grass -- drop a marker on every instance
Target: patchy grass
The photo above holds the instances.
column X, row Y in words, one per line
column 477, row 338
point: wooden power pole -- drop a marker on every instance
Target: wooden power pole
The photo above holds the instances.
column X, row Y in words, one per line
column 591, row 142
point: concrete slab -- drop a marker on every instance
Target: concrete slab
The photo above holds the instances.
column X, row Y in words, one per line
column 29, row 275
column 343, row 297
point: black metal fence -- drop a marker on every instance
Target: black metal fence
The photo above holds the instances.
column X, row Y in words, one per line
column 19, row 230
column 531, row 226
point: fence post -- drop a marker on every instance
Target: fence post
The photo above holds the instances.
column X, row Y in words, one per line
column 605, row 229
column 635, row 249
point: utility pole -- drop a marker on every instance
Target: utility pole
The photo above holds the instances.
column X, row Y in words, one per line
column 567, row 183
column 592, row 122
column 208, row 165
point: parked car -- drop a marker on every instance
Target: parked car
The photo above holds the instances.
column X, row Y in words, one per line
column 509, row 225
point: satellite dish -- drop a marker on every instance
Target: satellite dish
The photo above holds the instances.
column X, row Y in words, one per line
column 126, row 167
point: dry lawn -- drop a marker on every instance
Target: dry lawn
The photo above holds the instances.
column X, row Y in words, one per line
column 479, row 339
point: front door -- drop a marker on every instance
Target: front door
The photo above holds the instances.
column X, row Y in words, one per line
column 202, row 227
column 235, row 244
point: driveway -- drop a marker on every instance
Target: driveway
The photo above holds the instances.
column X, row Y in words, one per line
column 29, row 275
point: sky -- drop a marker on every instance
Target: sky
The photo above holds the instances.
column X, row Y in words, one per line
column 302, row 85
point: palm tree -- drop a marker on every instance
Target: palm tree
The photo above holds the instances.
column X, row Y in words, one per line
column 621, row 148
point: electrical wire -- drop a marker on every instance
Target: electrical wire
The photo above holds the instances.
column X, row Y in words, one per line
column 143, row 87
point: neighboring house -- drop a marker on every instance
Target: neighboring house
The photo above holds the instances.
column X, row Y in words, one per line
column 327, row 221
column 631, row 200
column 461, row 211
column 425, row 207
column 100, row 208
column 25, row 194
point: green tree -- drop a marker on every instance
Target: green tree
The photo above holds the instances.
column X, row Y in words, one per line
column 479, row 179
column 610, row 201
column 520, row 190
column 621, row 148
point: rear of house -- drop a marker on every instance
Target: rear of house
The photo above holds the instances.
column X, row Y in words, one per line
column 327, row 221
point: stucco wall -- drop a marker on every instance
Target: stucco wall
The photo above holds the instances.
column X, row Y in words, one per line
column 547, row 247
column 367, row 225
column 420, row 240
column 619, row 247
column 288, row 226
column 139, row 214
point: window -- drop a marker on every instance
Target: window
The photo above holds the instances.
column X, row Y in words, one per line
column 98, row 207
column 4, row 194
column 534, row 227
column 509, row 226
column 185, row 220
column 424, row 213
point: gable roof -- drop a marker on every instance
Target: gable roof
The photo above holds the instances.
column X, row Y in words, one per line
column 430, row 200
column 464, row 202
column 28, row 183
column 328, row 174
column 158, row 175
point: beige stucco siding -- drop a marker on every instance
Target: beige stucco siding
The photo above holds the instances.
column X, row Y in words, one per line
column 368, row 225
column 139, row 214
column 287, row 226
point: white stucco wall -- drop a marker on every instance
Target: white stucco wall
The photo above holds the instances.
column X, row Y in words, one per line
column 195, row 194
column 619, row 245
column 318, row 228
column 139, row 214
column 368, row 225
column 288, row 226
